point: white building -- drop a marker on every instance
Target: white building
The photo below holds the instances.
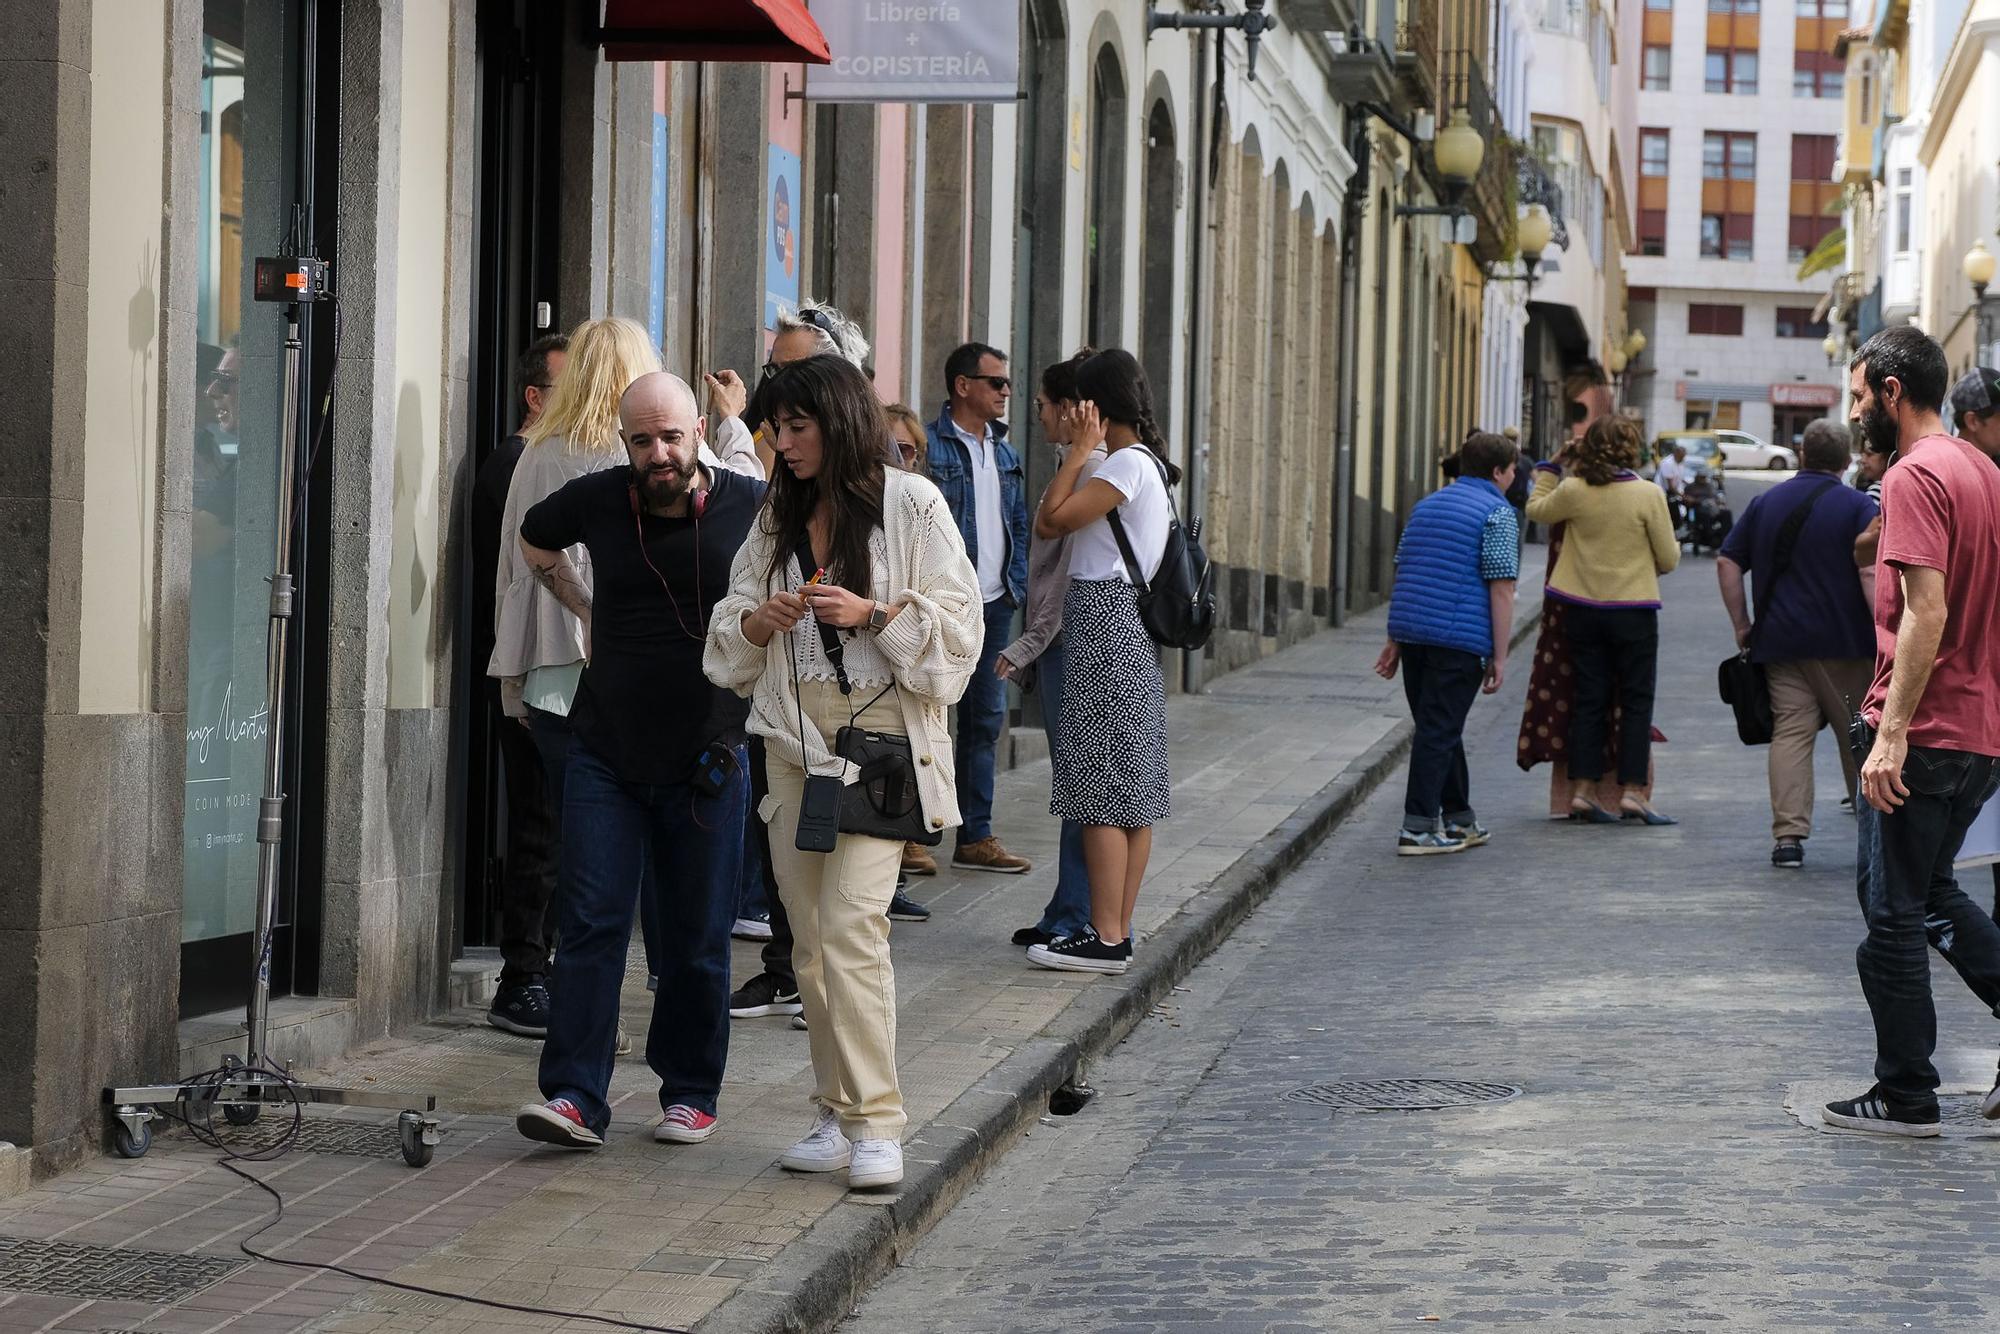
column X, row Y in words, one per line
column 1740, row 114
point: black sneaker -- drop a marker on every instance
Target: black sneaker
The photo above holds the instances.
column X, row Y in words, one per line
column 1032, row 935
column 1082, row 953
column 762, row 995
column 521, row 1008
column 1789, row 855
column 1872, row 1112
column 903, row 908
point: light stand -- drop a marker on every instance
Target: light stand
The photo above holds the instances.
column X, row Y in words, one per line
column 244, row 1086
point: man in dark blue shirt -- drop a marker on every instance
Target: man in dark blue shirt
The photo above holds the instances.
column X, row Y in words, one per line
column 652, row 771
column 1813, row 632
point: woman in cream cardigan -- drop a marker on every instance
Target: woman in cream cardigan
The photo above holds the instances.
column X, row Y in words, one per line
column 1620, row 540
column 890, row 573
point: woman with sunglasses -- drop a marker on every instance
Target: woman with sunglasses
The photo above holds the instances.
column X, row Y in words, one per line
column 847, row 542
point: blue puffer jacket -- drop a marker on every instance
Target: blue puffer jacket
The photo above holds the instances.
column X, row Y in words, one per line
column 1440, row 598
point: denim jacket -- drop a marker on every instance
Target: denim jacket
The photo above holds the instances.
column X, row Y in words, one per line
column 951, row 470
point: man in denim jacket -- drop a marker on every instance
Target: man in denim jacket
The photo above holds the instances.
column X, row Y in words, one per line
column 981, row 478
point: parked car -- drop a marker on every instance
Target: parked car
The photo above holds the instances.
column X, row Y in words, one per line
column 1725, row 449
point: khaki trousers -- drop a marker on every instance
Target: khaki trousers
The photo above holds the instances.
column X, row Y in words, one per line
column 1805, row 693
column 838, row 903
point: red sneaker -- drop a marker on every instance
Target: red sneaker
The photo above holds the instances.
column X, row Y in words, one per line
column 683, row 1124
column 557, row 1122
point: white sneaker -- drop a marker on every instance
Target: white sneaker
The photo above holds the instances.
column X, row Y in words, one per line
column 875, row 1162
column 824, row 1149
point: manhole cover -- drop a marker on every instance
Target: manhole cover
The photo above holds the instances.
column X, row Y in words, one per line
column 106, row 1273
column 1402, row 1095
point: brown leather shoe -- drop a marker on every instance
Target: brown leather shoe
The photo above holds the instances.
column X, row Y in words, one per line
column 917, row 860
column 988, row 855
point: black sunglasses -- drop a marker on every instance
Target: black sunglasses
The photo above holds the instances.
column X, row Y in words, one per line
column 998, row 382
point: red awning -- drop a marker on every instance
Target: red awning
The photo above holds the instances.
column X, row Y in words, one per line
column 761, row 31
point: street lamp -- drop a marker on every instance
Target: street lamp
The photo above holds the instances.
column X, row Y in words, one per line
column 1635, row 343
column 1459, row 150
column 1833, row 347
column 1978, row 267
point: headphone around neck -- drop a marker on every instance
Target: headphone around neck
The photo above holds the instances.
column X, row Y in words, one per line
column 698, row 505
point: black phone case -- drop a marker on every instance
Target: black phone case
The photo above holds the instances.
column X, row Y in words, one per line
column 714, row 770
column 819, row 815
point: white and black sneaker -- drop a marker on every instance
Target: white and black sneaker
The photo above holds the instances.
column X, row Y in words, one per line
column 1428, row 843
column 762, row 995
column 1083, row 952
column 1473, row 834
column 1873, row 1112
column 1789, row 855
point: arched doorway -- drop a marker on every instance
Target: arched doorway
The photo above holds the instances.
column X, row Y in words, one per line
column 1038, row 238
column 1156, row 263
column 1104, row 216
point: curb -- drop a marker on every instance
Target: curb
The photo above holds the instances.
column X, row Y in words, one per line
column 818, row 1280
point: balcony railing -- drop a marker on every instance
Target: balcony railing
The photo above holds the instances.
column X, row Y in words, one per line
column 1417, row 49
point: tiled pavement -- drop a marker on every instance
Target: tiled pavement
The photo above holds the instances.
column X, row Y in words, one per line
column 661, row 1235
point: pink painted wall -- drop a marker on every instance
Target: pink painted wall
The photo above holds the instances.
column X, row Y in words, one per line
column 892, row 179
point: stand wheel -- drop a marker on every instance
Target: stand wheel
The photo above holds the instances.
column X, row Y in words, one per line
column 242, row 1113
column 410, row 1129
column 131, row 1143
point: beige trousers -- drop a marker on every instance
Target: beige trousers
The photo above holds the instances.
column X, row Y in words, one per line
column 1804, row 694
column 838, row 903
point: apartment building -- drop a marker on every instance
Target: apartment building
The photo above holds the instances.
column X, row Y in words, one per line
column 1739, row 119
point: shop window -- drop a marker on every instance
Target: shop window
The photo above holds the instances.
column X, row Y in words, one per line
column 1707, row 414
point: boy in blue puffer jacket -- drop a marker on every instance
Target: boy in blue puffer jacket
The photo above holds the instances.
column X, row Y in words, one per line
column 1449, row 622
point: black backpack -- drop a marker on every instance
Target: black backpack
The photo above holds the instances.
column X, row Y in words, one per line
column 1178, row 606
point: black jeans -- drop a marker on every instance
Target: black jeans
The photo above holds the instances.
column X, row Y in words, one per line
column 1910, row 899
column 778, row 949
column 1440, row 684
column 534, row 835
column 1614, row 653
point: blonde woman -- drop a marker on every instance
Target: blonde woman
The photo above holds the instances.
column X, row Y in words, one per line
column 906, row 432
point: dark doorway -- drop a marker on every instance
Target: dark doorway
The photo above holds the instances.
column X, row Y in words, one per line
column 519, row 96
column 1104, row 220
column 1156, row 262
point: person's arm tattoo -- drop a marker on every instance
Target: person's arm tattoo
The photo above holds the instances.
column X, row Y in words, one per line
column 554, row 572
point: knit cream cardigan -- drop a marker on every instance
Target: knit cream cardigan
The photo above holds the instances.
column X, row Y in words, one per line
column 932, row 646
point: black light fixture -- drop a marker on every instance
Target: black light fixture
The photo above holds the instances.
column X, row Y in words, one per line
column 1253, row 21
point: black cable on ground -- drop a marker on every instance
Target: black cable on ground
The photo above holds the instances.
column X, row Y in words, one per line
column 204, row 1131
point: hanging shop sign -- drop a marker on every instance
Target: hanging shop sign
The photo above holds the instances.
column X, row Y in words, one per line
column 899, row 51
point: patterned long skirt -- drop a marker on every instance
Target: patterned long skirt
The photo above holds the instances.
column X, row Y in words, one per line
column 1110, row 759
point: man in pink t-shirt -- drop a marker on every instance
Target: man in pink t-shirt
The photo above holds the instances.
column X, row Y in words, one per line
column 1929, row 728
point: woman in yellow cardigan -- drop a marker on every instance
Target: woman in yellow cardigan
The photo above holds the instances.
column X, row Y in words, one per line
column 1620, row 540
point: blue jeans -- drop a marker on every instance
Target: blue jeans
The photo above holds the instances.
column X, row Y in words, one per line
column 611, row 828
column 1069, row 907
column 981, row 712
column 552, row 735
column 1911, row 900
column 1440, row 684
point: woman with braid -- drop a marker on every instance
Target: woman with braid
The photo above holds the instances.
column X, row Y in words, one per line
column 1111, row 755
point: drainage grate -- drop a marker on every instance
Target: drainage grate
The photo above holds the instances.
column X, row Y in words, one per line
column 1402, row 1095
column 106, row 1273
column 359, row 1139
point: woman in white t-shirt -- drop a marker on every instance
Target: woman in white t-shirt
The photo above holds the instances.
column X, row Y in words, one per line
column 1110, row 756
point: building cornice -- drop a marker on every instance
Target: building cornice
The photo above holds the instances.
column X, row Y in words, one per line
column 1947, row 102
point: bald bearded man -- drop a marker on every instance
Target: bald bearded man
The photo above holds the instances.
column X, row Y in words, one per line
column 652, row 769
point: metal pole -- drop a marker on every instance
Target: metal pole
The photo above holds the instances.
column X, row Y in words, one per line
column 1350, row 364
column 271, row 809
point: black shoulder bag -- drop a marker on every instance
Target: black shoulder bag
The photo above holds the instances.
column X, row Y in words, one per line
column 1742, row 683
column 1177, row 606
column 884, row 801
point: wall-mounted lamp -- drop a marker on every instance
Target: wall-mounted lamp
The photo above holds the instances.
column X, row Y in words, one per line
column 1253, row 21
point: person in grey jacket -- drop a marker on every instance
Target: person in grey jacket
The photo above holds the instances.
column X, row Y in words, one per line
column 1040, row 648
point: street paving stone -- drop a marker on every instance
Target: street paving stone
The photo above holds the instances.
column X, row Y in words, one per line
column 1657, row 993
column 664, row 1235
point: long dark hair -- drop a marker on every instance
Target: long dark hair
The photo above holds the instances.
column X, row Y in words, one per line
column 1114, row 381
column 852, row 428
column 1059, row 378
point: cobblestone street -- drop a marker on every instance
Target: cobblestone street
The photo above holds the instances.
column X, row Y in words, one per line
column 1654, row 992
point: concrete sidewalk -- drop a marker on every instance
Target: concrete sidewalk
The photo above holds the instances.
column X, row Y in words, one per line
column 1264, row 764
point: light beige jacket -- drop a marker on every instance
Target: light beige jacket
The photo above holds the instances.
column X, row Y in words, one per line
column 932, row 646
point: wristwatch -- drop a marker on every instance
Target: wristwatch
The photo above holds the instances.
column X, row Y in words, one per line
column 878, row 618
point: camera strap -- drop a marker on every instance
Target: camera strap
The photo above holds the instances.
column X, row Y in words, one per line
column 829, row 636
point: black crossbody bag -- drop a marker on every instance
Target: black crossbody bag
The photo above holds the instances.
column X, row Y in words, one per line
column 883, row 801
column 1743, row 684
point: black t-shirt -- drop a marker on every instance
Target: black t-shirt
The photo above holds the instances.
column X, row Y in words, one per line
column 644, row 706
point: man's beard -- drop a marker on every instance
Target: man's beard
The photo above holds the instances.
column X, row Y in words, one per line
column 1880, row 428
column 663, row 489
